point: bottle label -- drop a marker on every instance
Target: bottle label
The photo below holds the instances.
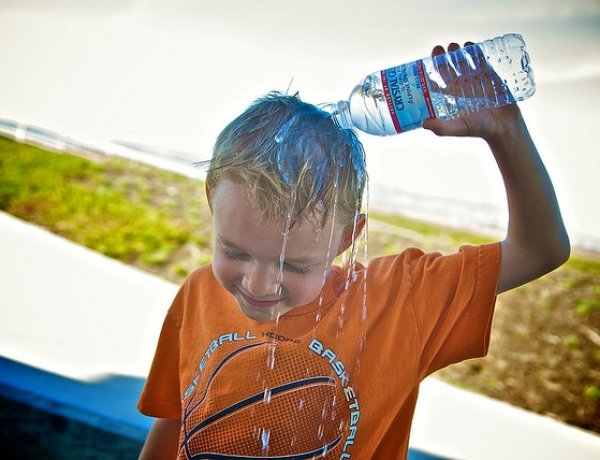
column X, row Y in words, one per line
column 407, row 95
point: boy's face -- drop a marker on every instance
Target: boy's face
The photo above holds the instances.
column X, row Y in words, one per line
column 247, row 255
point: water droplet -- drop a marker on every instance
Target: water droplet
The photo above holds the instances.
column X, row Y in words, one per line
column 321, row 431
column 267, row 396
column 271, row 349
column 264, row 438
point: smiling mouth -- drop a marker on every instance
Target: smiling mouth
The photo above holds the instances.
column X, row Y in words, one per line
column 258, row 303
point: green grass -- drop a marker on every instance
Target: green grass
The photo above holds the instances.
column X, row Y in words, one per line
column 81, row 200
column 586, row 306
column 593, row 392
column 584, row 264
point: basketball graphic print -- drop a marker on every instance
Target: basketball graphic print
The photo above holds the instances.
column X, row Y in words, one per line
column 267, row 400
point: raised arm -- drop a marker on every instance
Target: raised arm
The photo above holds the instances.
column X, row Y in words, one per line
column 536, row 241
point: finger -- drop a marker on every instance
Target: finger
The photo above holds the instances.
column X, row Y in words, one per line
column 453, row 47
column 479, row 70
column 462, row 85
column 468, row 55
column 456, row 127
column 436, row 81
column 459, row 59
column 452, row 54
column 439, row 58
column 469, row 69
column 488, row 84
column 437, row 50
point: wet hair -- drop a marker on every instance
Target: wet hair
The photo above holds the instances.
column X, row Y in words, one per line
column 293, row 159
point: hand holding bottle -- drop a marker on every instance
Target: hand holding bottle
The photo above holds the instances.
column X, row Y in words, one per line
column 445, row 86
column 485, row 123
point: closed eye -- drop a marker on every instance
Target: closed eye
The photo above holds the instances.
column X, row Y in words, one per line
column 234, row 255
column 295, row 269
column 237, row 255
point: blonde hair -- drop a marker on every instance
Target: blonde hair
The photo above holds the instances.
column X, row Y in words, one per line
column 295, row 162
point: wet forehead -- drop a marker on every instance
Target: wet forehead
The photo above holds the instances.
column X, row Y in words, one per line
column 238, row 223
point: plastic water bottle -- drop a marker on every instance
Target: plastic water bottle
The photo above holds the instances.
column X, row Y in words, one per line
column 484, row 75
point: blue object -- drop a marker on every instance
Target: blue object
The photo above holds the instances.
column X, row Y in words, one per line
column 108, row 404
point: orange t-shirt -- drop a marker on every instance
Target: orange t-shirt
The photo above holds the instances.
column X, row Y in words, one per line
column 335, row 379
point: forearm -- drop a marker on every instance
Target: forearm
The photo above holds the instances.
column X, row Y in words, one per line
column 162, row 440
column 536, row 240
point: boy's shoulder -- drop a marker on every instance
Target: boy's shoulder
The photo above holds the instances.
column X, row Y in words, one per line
column 414, row 259
column 406, row 256
column 203, row 275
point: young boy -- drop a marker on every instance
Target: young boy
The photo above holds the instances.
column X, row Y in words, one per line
column 275, row 352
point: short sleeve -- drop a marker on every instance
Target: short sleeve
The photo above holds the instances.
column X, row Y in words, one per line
column 453, row 299
column 161, row 394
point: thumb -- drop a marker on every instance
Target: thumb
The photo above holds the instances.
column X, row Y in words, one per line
column 456, row 127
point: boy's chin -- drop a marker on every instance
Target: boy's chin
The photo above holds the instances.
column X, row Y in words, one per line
column 262, row 314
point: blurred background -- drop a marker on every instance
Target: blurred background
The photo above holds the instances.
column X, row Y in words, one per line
column 164, row 78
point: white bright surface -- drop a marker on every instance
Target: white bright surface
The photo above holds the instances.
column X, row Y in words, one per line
column 457, row 423
column 172, row 74
column 71, row 311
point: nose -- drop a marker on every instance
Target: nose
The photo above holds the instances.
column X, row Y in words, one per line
column 261, row 281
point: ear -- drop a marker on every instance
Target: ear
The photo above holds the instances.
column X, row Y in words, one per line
column 349, row 232
column 207, row 191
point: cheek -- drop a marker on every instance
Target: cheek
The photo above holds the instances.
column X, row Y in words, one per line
column 304, row 289
column 225, row 271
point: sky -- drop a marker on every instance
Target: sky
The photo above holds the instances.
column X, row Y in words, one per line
column 172, row 74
